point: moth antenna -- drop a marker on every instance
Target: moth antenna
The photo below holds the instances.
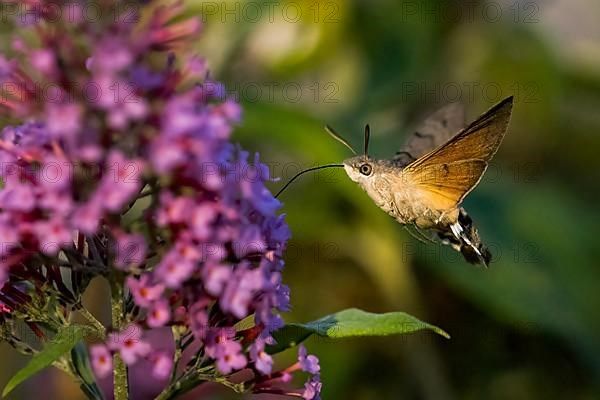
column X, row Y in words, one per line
column 305, row 171
column 340, row 139
column 367, row 137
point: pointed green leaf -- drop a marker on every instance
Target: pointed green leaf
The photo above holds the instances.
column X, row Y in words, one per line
column 60, row 345
column 244, row 324
column 350, row 323
column 83, row 369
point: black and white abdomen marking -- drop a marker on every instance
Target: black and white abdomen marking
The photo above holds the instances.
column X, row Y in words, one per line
column 465, row 238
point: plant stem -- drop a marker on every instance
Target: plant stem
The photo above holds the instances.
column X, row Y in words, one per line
column 180, row 387
column 100, row 329
column 121, row 390
column 194, row 378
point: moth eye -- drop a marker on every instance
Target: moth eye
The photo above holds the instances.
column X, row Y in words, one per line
column 365, row 169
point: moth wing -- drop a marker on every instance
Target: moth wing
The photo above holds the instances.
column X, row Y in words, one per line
column 435, row 130
column 447, row 174
column 443, row 186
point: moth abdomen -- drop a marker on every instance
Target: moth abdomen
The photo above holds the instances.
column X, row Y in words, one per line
column 465, row 238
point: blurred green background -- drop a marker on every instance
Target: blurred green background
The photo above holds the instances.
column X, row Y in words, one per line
column 527, row 328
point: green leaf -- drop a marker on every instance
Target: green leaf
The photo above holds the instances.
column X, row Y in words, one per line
column 83, row 369
column 245, row 324
column 350, row 323
column 61, row 344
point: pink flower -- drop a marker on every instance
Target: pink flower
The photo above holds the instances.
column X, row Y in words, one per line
column 195, row 66
column 101, row 360
column 262, row 361
column 312, row 388
column 44, row 60
column 202, row 247
column 198, row 320
column 111, row 54
column 308, row 362
column 133, row 108
column 54, row 176
column 53, row 235
column 174, row 210
column 167, row 154
column 162, row 365
column 159, row 314
column 241, row 290
column 123, row 180
column 131, row 250
column 87, row 217
column 249, row 241
column 215, row 278
column 231, row 358
column 144, row 293
column 9, row 237
column 231, row 110
column 129, row 344
column 64, row 120
column 227, row 352
column 202, row 217
column 173, row 270
column 17, row 197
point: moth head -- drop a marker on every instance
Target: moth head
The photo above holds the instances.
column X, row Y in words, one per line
column 360, row 168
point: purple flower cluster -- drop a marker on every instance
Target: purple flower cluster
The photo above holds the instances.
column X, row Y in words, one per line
column 139, row 182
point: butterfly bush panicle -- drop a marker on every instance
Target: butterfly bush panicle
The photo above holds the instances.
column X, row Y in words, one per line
column 125, row 169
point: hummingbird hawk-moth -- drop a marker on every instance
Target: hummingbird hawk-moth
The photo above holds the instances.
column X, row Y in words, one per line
column 423, row 185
